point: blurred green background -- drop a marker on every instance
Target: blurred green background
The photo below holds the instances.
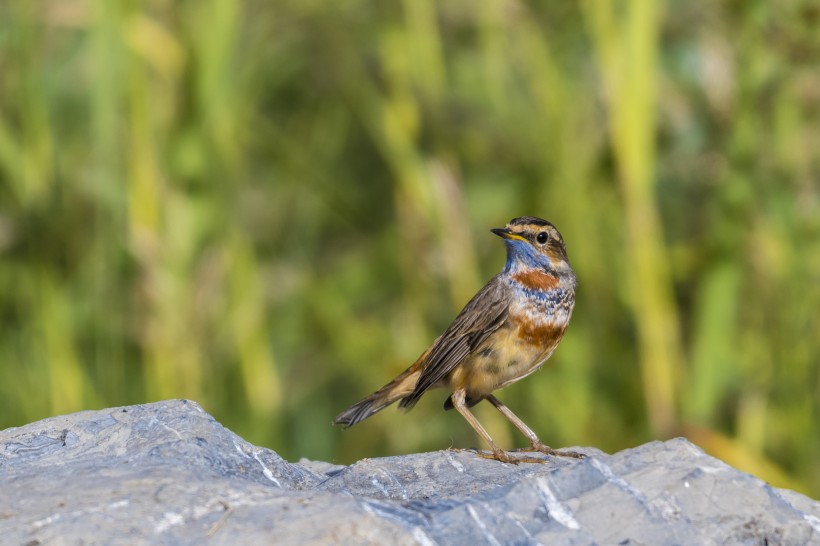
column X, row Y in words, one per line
column 272, row 208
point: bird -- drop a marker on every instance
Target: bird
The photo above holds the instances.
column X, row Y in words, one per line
column 504, row 333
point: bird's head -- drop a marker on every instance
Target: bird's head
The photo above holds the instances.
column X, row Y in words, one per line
column 533, row 242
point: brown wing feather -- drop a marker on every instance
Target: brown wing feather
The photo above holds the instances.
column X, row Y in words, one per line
column 483, row 315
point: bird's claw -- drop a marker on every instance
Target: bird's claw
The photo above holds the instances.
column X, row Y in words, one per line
column 505, row 457
column 547, row 450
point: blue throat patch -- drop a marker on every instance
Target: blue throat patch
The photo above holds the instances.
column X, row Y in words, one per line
column 520, row 253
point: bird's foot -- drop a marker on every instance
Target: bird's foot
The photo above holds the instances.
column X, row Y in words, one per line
column 505, row 457
column 543, row 448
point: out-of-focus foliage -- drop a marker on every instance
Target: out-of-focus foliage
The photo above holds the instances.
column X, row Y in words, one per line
column 273, row 207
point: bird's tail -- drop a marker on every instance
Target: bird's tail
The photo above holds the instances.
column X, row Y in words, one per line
column 396, row 389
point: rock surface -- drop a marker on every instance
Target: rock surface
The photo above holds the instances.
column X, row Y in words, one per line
column 168, row 473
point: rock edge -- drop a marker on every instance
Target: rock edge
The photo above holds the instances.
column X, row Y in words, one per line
column 169, row 473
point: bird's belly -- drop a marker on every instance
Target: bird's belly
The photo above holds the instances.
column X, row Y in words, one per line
column 513, row 352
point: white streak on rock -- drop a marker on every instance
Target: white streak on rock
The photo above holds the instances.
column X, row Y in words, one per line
column 169, row 519
column 490, row 538
column 265, row 470
column 457, row 465
column 556, row 510
column 814, row 521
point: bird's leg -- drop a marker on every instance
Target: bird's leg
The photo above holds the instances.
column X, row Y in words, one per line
column 535, row 443
column 458, row 398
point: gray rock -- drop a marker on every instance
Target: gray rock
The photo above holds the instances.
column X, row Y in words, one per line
column 168, row 473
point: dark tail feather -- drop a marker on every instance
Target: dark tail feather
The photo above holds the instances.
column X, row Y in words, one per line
column 398, row 388
column 360, row 411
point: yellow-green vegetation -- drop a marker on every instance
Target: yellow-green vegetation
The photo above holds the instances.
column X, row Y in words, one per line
column 274, row 207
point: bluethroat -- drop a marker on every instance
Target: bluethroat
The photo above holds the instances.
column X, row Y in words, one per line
column 505, row 333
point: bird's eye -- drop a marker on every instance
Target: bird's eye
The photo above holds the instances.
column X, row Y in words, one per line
column 542, row 237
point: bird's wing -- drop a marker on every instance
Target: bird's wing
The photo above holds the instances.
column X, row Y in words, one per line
column 483, row 315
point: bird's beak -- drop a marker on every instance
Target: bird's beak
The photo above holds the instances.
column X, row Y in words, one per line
column 505, row 233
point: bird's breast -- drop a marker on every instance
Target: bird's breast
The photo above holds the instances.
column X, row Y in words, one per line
column 512, row 352
column 534, row 279
column 541, row 301
column 535, row 325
